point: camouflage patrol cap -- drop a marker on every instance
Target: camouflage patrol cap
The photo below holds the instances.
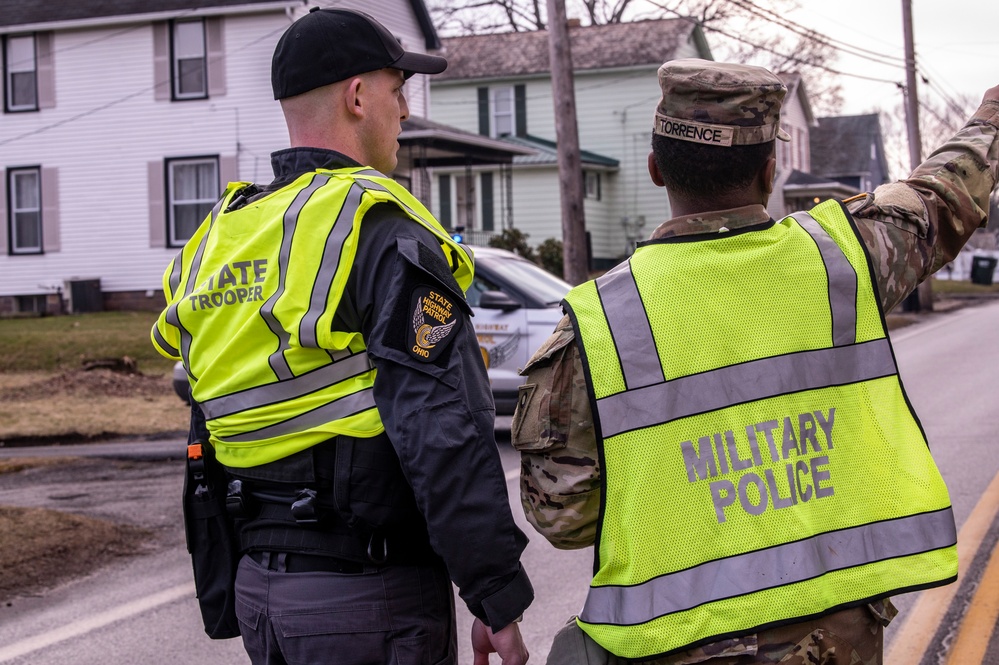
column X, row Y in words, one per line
column 719, row 103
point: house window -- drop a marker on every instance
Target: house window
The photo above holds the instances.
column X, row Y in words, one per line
column 503, row 117
column 592, row 185
column 20, row 80
column 24, row 191
column 189, row 68
column 192, row 190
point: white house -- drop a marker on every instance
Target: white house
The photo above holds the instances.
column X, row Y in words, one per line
column 122, row 121
column 500, row 86
column 797, row 120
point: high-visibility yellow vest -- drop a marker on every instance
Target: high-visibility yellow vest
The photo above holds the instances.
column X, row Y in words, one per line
column 250, row 305
column 759, row 457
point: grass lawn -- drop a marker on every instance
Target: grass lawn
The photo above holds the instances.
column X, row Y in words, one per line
column 954, row 287
column 54, row 343
column 48, row 395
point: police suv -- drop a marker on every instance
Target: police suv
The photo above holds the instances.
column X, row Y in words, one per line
column 515, row 305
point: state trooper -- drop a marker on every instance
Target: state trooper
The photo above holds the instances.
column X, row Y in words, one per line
column 721, row 416
column 322, row 321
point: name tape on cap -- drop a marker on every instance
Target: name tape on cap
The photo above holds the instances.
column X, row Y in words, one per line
column 688, row 130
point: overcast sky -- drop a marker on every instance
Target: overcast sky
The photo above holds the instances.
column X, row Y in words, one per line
column 956, row 41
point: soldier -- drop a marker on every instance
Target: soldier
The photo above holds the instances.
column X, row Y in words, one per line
column 721, row 415
column 323, row 323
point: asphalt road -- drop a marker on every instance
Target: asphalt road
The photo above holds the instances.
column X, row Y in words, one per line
column 142, row 610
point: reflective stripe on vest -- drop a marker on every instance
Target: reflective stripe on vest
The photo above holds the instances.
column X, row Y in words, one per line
column 842, row 281
column 274, row 377
column 745, row 382
column 719, row 372
column 244, row 400
column 756, row 571
column 277, row 360
column 651, row 401
column 171, row 312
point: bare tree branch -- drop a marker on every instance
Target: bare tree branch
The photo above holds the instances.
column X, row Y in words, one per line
column 748, row 32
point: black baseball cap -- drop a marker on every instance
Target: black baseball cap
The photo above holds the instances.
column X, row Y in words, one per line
column 330, row 45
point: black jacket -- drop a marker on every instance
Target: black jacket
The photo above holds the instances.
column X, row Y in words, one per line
column 438, row 412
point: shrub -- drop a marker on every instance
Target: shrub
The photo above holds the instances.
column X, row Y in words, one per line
column 515, row 241
column 550, row 256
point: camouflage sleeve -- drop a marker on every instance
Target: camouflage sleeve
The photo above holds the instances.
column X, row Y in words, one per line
column 553, row 430
column 914, row 227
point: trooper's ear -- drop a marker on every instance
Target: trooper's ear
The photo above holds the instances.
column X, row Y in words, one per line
column 657, row 177
column 353, row 94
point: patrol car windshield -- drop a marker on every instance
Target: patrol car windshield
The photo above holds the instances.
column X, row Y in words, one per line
column 533, row 283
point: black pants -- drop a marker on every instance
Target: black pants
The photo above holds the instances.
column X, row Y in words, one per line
column 397, row 615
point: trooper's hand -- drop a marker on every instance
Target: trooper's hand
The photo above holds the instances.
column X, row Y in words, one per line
column 507, row 643
column 992, row 94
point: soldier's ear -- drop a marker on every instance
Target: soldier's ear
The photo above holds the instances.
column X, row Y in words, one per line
column 657, row 177
column 769, row 175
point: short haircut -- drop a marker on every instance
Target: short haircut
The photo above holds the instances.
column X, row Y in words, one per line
column 697, row 170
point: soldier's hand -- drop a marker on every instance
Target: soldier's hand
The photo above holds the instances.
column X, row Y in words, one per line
column 507, row 643
column 992, row 94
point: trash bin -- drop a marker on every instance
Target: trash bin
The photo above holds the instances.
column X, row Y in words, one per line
column 982, row 268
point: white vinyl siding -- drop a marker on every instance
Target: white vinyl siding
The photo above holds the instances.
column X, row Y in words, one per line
column 792, row 155
column 192, row 188
column 20, row 73
column 24, row 192
column 110, row 121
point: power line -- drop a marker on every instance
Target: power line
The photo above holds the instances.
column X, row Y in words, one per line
column 98, row 40
column 778, row 53
column 849, row 49
column 954, row 105
column 929, row 109
column 950, row 103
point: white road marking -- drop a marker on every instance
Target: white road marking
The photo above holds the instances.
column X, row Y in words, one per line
column 83, row 626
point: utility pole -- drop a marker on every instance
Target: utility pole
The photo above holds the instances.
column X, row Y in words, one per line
column 570, row 168
column 922, row 297
column 911, row 99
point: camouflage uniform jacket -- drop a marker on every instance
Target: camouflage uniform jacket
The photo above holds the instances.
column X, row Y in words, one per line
column 910, row 228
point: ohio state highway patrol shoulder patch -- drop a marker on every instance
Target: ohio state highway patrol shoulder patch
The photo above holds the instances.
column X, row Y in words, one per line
column 435, row 323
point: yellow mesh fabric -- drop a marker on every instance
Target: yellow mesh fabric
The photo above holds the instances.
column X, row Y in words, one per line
column 712, row 304
column 245, row 265
column 606, row 364
column 775, row 604
column 659, row 496
column 745, row 313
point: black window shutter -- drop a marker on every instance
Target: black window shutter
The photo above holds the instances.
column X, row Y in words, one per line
column 520, row 109
column 484, row 111
column 445, row 183
column 487, row 201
